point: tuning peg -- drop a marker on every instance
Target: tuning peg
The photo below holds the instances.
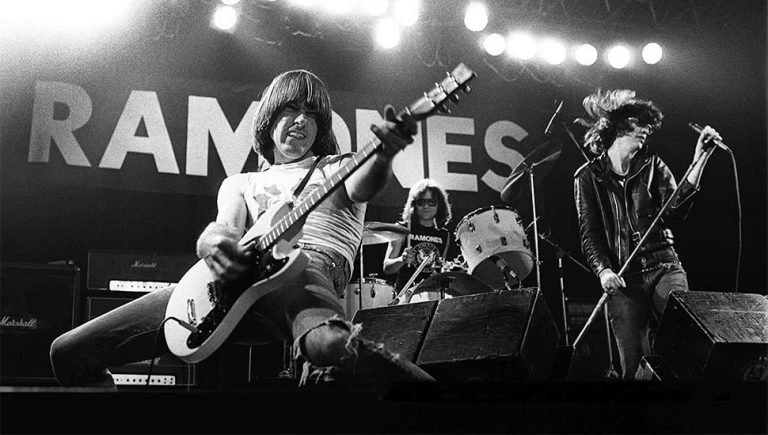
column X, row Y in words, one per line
column 455, row 98
column 443, row 109
column 467, row 89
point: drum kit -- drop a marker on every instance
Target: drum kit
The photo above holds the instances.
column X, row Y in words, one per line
column 495, row 251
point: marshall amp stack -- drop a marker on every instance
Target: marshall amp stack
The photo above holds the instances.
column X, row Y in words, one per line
column 115, row 278
column 39, row 302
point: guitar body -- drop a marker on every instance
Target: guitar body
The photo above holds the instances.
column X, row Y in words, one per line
column 191, row 300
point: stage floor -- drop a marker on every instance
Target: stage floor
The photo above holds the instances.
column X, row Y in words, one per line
column 279, row 406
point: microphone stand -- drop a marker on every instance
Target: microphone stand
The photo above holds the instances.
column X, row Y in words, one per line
column 535, row 225
column 623, row 270
column 560, row 254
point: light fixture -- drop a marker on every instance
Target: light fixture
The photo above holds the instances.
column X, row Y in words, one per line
column 619, row 56
column 494, row 44
column 476, row 17
column 652, row 53
column 585, row 54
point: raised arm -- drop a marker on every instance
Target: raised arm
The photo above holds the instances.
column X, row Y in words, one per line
column 395, row 135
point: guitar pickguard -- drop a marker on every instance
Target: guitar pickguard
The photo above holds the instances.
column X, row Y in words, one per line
column 223, row 296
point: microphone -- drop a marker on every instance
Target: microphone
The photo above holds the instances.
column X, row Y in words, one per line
column 548, row 130
column 697, row 128
column 506, row 271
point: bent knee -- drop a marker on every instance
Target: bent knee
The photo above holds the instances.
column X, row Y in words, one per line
column 326, row 345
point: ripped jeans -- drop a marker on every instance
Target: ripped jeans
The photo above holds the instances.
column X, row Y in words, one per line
column 657, row 274
column 128, row 333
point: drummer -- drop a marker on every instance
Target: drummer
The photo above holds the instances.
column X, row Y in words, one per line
column 426, row 213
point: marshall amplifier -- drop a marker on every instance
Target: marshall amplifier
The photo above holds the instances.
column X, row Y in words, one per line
column 135, row 271
column 167, row 371
column 39, row 302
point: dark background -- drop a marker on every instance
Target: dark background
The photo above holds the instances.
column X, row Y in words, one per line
column 714, row 72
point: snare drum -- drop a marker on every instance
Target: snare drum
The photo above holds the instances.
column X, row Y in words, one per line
column 489, row 234
column 374, row 293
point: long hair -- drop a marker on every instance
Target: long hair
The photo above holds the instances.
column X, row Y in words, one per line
column 443, row 215
column 294, row 87
column 608, row 116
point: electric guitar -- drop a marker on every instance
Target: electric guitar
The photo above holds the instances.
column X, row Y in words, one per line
column 203, row 311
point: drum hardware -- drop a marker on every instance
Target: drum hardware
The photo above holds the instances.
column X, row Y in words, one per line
column 506, row 272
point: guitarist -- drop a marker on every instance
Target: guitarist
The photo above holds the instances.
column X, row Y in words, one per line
column 425, row 214
column 293, row 133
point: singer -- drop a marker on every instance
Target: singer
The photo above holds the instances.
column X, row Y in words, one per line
column 618, row 194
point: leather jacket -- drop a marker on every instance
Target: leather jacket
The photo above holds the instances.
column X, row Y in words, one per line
column 613, row 218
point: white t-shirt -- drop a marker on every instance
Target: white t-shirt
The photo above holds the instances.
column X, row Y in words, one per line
column 336, row 223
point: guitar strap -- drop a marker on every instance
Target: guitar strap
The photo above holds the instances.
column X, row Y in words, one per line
column 303, row 183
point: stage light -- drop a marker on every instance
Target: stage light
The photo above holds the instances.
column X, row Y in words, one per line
column 387, row 34
column 225, row 17
column 652, row 53
column 585, row 54
column 61, row 15
column 476, row 17
column 494, row 44
column 552, row 51
column 406, row 12
column 619, row 56
column 521, row 46
column 337, row 7
column 303, row 3
column 230, row 2
column 376, row 8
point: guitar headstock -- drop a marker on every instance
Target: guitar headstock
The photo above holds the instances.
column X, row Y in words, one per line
column 437, row 98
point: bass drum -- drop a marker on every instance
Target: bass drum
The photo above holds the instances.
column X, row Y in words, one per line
column 490, row 238
column 374, row 293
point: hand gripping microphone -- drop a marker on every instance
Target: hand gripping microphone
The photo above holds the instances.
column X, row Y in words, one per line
column 697, row 128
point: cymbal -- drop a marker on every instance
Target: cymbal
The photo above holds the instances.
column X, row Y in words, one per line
column 541, row 160
column 458, row 284
column 380, row 232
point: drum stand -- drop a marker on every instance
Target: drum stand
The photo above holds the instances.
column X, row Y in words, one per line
column 360, row 284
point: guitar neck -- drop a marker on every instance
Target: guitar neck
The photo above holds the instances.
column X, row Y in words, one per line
column 318, row 195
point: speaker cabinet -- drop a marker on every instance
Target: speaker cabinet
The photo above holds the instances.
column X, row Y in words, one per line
column 39, row 302
column 490, row 337
column 168, row 370
column 714, row 336
column 401, row 327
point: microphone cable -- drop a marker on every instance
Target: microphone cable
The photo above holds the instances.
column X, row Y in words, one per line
column 738, row 217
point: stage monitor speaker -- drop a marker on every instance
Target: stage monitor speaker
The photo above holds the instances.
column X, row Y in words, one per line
column 39, row 302
column 400, row 327
column 168, row 369
column 714, row 336
column 500, row 336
